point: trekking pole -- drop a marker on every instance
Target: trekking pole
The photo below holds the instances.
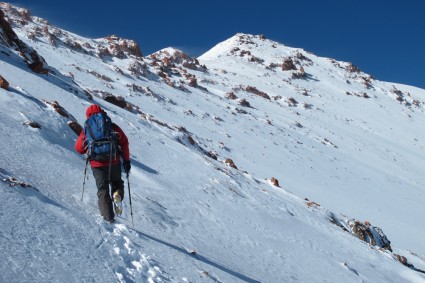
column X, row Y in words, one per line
column 85, row 174
column 129, row 197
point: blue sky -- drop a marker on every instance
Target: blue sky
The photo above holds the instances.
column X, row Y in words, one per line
column 383, row 38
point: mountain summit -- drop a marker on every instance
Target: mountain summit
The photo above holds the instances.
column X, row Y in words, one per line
column 255, row 162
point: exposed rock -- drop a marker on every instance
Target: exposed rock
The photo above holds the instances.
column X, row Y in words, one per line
column 307, row 105
column 416, row 102
column 103, row 52
column 59, row 109
column 99, row 76
column 288, row 65
column 116, row 100
column 138, row 68
column 33, row 124
column 231, row 95
column 88, row 94
column 312, row 204
column 370, row 234
column 171, row 57
column 191, row 140
column 25, row 14
column 193, row 82
column 299, row 75
column 273, row 65
column 230, row 163
column 3, row 83
column 256, row 59
column 244, row 52
column 121, row 48
column 352, row 68
column 300, row 56
column 255, row 91
column 401, row 259
column 292, row 102
column 244, row 102
column 212, row 155
column 75, row 127
column 241, row 111
column 12, row 182
column 275, row 182
column 234, row 50
column 10, row 39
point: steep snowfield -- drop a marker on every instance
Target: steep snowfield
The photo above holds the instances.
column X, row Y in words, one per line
column 196, row 219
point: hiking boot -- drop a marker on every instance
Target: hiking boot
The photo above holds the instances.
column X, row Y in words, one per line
column 110, row 221
column 118, row 208
column 116, row 197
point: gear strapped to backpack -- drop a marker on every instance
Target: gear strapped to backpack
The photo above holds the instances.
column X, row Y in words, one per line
column 101, row 139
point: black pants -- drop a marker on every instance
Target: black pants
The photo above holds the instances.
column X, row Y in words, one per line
column 102, row 182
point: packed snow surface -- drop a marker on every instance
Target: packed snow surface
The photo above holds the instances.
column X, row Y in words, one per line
column 350, row 146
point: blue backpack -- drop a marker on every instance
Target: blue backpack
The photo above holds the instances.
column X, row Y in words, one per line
column 101, row 140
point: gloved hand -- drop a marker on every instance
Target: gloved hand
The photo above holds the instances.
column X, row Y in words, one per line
column 127, row 166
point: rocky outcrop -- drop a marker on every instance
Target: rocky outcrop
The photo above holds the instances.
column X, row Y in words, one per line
column 352, row 68
column 231, row 95
column 122, row 48
column 288, row 65
column 370, row 234
column 171, row 58
column 9, row 38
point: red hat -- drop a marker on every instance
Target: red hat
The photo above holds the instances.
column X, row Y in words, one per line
column 93, row 109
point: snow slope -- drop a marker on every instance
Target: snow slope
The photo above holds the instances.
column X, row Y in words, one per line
column 197, row 219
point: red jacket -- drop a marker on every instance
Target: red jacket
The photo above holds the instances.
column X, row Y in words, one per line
column 81, row 144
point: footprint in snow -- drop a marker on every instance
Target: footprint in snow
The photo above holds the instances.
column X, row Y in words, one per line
column 132, row 264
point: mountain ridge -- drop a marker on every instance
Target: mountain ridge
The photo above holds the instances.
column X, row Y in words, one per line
column 179, row 109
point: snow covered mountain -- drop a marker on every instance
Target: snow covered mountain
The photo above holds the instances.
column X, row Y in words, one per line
column 250, row 163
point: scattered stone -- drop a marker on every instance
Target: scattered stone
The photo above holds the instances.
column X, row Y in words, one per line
column 3, row 83
column 33, row 124
column 255, row 91
column 352, row 68
column 292, row 102
column 230, row 163
column 244, row 102
column 312, row 204
column 275, row 182
column 231, row 95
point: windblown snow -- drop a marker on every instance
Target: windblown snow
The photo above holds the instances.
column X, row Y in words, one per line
column 340, row 146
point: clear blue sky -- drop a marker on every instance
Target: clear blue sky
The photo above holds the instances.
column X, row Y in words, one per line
column 383, row 38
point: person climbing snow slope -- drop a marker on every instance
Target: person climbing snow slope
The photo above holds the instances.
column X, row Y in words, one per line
column 105, row 143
